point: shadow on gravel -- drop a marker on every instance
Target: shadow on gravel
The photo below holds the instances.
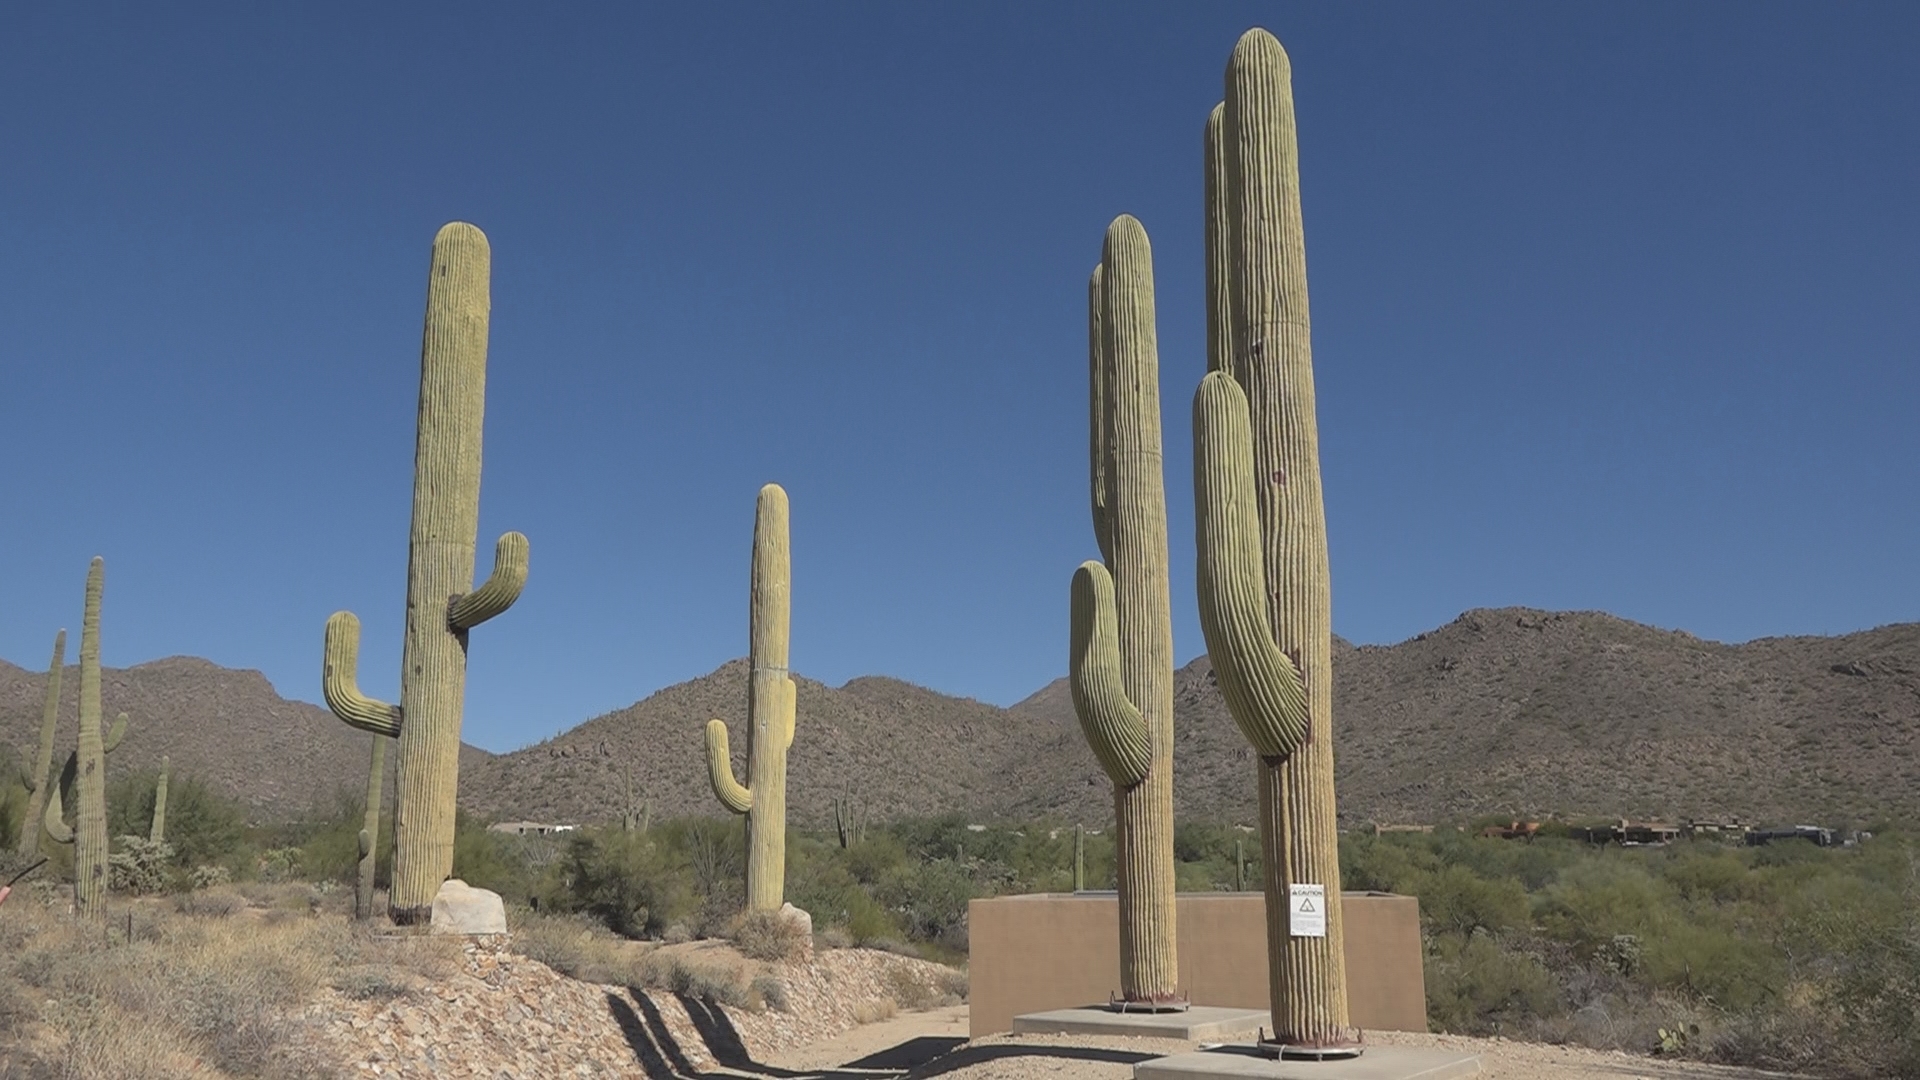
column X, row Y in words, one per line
column 911, row 1054
column 976, row 1055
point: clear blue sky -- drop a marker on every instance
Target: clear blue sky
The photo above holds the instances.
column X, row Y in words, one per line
column 1614, row 307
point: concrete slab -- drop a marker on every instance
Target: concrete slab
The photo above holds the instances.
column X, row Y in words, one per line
column 1201, row 1023
column 1246, row 1063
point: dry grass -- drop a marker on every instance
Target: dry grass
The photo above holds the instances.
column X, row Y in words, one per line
column 769, row 935
column 207, row 989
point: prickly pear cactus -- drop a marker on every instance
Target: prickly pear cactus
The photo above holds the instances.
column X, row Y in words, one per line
column 35, row 776
column 1261, row 532
column 1121, row 661
column 770, row 712
column 442, row 604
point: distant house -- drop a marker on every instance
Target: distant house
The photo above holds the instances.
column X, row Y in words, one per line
column 528, row 828
column 1813, row 834
column 1629, row 833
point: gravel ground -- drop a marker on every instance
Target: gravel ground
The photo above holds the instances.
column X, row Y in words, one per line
column 1062, row 1057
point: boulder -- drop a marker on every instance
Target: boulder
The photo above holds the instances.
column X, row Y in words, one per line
column 804, row 922
column 459, row 908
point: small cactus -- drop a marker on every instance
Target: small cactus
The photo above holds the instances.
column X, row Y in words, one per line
column 35, row 776
column 849, row 820
column 770, row 712
column 442, row 604
column 1079, row 859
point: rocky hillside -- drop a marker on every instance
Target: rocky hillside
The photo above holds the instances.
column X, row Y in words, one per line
column 224, row 726
column 1508, row 711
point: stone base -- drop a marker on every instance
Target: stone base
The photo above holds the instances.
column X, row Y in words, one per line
column 1208, row 1023
column 1243, row 1062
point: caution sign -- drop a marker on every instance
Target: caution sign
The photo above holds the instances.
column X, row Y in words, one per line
column 1307, row 910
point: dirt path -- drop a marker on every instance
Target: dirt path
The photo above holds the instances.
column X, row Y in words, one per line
column 933, row 1043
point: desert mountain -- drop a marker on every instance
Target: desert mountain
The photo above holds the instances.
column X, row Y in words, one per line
column 1508, row 711
column 226, row 727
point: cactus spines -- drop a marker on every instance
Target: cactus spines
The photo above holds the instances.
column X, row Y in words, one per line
column 442, row 604
column 35, row 776
column 157, row 832
column 1121, row 661
column 770, row 711
column 1261, row 530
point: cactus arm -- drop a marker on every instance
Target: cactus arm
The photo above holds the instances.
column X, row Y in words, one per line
column 55, row 817
column 1262, row 685
column 340, row 680
column 501, row 589
column 1100, row 435
column 26, row 779
column 115, row 734
column 731, row 793
column 1113, row 725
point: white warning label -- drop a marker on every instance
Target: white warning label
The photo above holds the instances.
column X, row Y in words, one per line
column 1307, row 910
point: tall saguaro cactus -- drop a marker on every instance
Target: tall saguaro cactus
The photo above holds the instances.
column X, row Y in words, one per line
column 442, row 604
column 157, row 832
column 1262, row 539
column 35, row 776
column 1121, row 663
column 770, row 711
column 85, row 771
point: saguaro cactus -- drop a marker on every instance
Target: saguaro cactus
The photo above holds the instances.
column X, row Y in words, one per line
column 442, row 604
column 35, row 775
column 1262, row 539
column 369, row 837
column 770, row 712
column 85, row 771
column 1121, row 663
column 157, row 832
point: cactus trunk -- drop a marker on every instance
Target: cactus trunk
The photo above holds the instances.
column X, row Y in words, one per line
column 37, row 780
column 370, row 829
column 1264, row 600
column 770, row 711
column 90, row 832
column 442, row 604
column 1122, row 652
column 157, row 832
column 1079, row 859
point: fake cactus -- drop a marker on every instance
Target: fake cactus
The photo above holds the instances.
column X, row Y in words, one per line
column 1261, row 532
column 442, row 604
column 157, row 833
column 85, row 771
column 35, row 775
column 1121, row 661
column 770, row 712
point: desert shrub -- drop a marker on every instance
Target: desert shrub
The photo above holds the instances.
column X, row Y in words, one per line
column 769, row 935
column 217, row 903
column 577, row 945
column 771, row 991
column 627, row 881
column 209, row 877
column 203, row 826
column 1476, row 986
column 140, row 866
column 718, row 982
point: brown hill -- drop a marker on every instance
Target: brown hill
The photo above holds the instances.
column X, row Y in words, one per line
column 226, row 727
column 1535, row 713
column 899, row 748
column 1509, row 711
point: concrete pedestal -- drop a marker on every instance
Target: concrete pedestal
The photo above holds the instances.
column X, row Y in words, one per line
column 1201, row 1023
column 1245, row 1063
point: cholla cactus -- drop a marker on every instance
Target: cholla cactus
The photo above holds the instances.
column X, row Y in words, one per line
column 770, row 712
column 1121, row 662
column 85, row 771
column 1261, row 531
column 35, row 775
column 442, row 604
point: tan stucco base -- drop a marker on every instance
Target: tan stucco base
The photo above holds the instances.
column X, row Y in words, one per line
column 1059, row 950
